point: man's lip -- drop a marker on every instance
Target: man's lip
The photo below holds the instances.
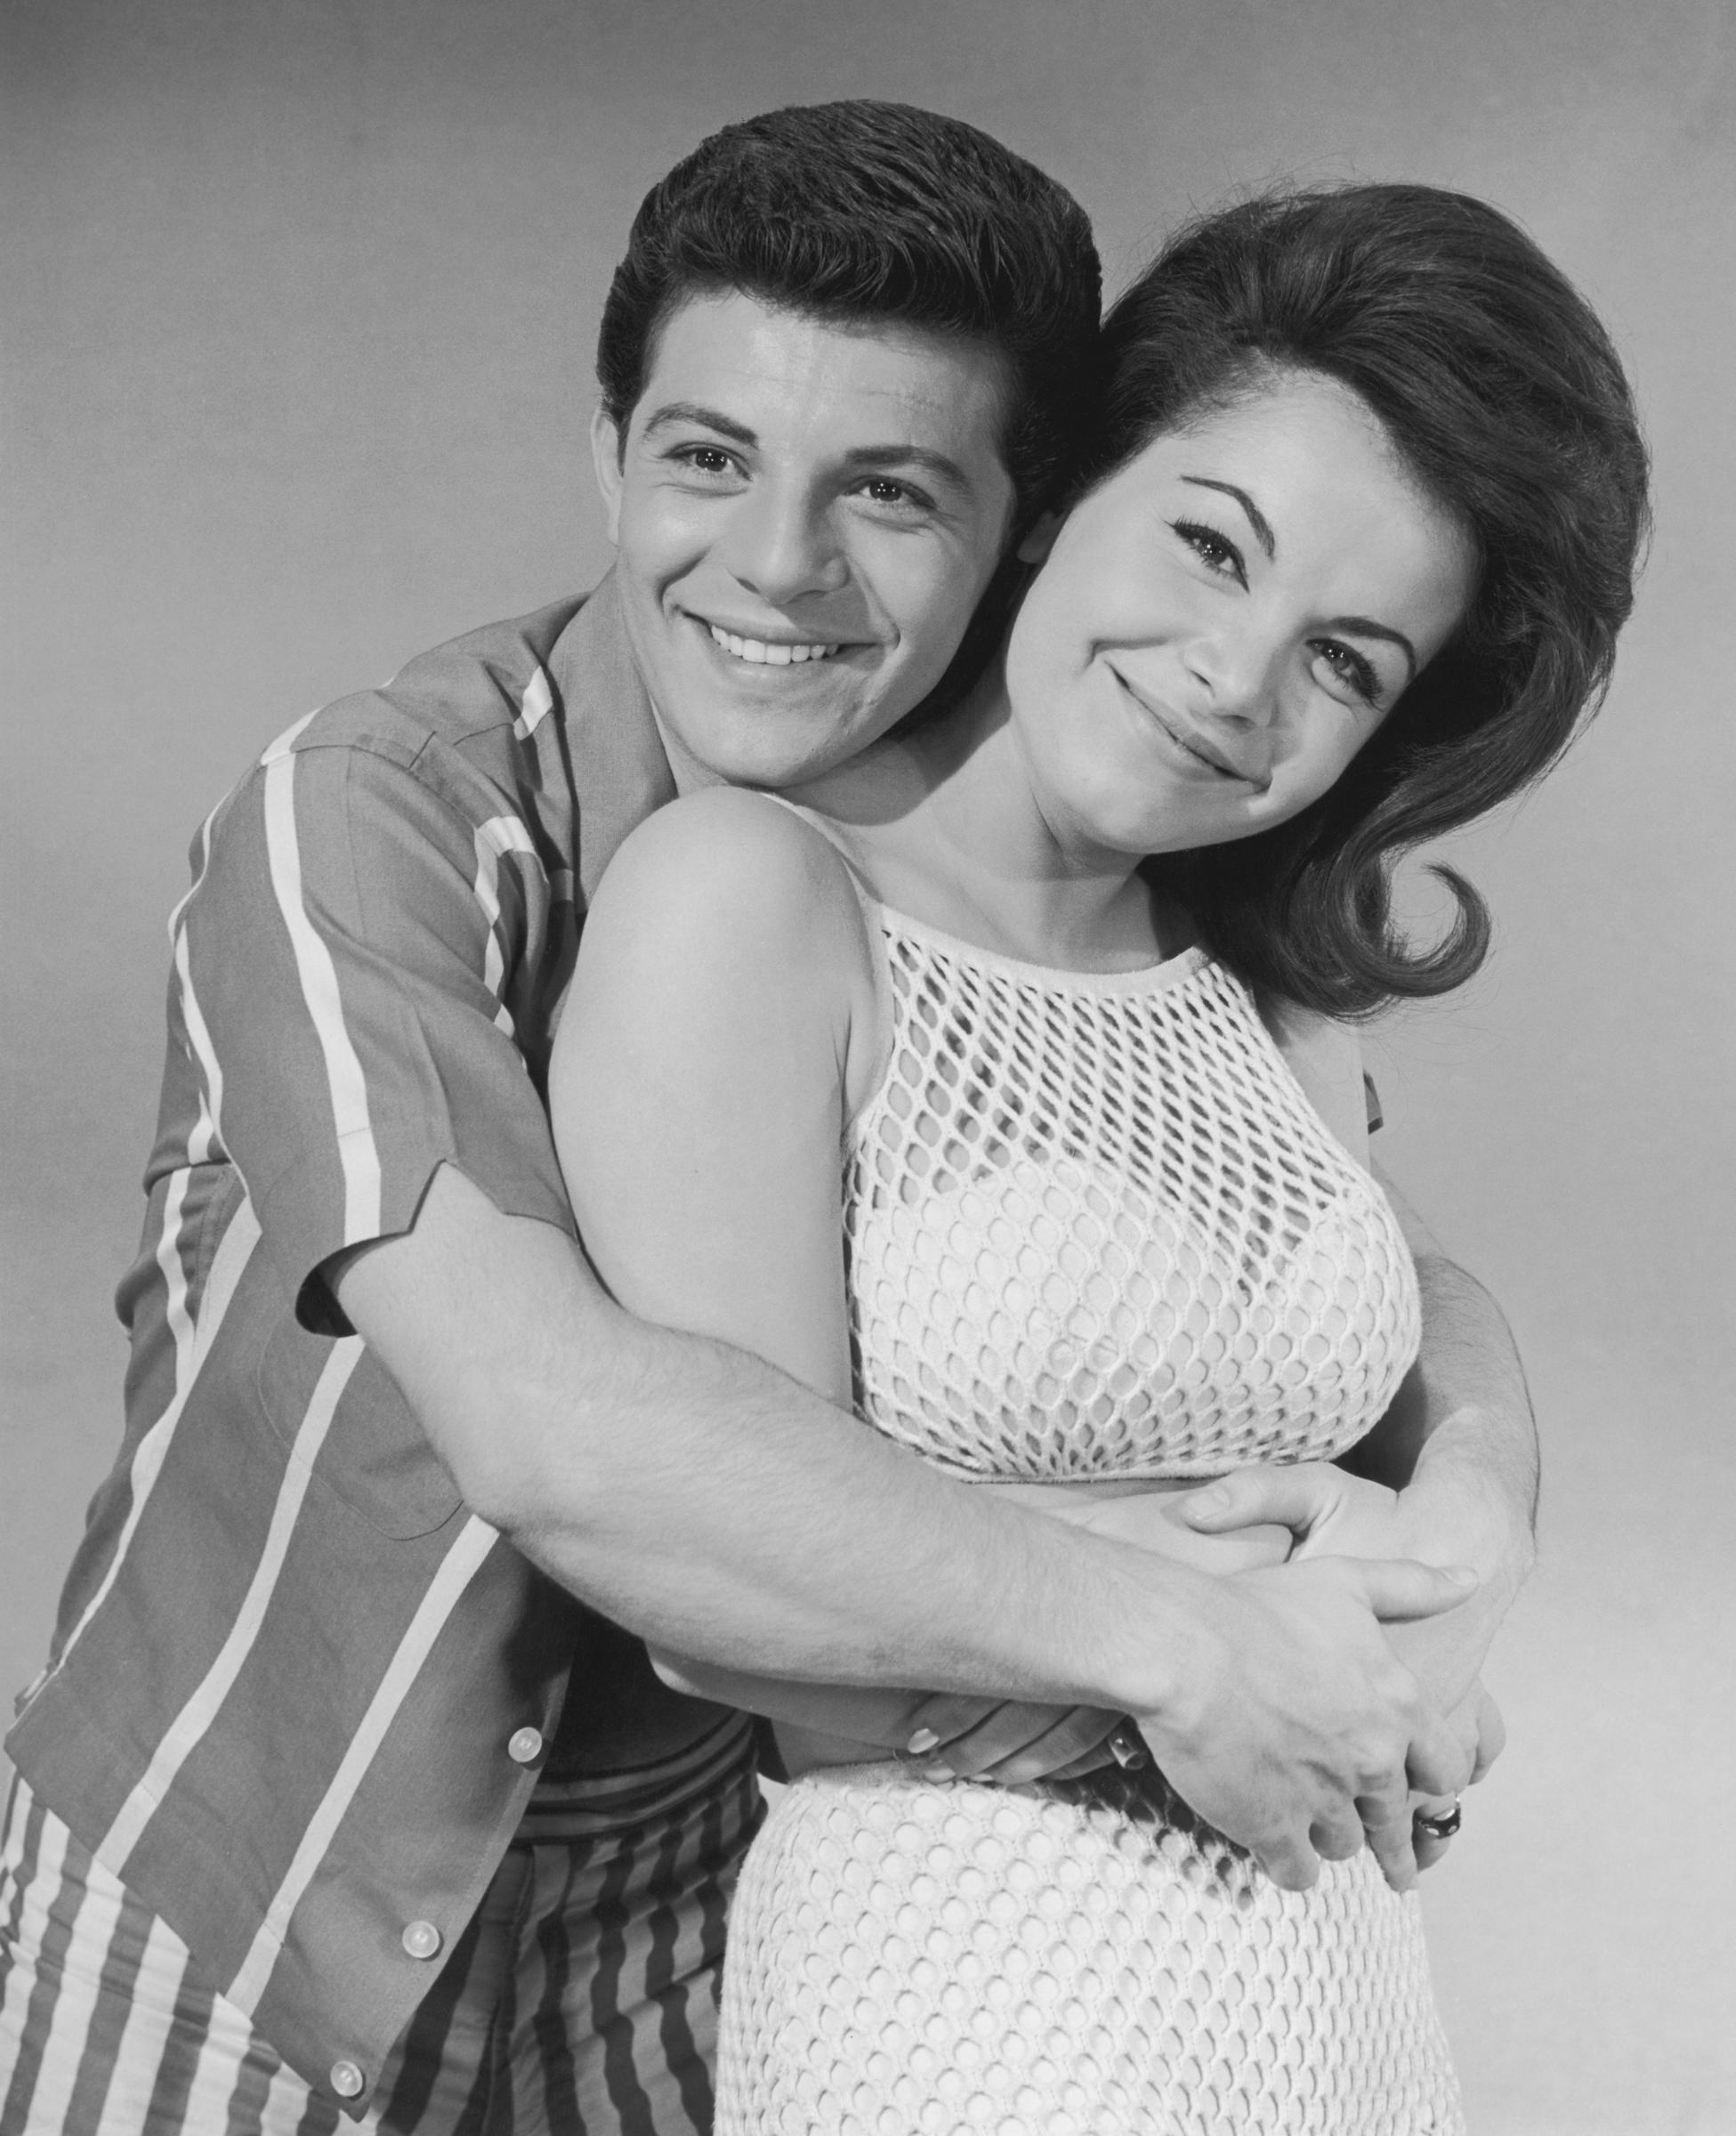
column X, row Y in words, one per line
column 1188, row 737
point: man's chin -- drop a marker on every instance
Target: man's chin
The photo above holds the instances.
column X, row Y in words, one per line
column 782, row 753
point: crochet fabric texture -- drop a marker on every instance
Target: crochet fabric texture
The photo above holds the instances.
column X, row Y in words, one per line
column 1094, row 1230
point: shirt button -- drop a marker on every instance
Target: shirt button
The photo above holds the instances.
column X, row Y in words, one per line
column 347, row 2079
column 524, row 1745
column 421, row 1939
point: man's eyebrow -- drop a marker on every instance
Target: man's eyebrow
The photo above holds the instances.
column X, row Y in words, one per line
column 674, row 412
column 936, row 463
column 1256, row 519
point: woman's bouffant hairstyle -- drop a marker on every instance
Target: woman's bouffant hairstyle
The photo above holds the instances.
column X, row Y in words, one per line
column 874, row 213
column 1503, row 396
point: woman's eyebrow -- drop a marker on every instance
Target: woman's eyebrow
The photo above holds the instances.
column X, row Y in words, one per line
column 1364, row 626
column 1256, row 519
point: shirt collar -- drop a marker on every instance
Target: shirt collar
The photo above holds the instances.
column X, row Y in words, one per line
column 620, row 770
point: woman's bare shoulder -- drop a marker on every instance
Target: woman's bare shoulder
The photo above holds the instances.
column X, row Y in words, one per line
column 728, row 874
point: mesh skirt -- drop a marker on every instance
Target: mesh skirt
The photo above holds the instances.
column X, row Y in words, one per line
column 907, row 1958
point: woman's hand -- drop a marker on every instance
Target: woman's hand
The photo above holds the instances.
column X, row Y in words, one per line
column 1154, row 1516
column 946, row 1736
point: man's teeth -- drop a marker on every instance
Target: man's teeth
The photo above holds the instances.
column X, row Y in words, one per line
column 770, row 656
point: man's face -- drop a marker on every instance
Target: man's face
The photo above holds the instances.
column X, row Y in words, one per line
column 806, row 514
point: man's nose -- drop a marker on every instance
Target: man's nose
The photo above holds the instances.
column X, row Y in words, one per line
column 781, row 545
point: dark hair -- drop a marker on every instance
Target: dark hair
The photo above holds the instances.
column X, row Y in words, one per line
column 865, row 211
column 1503, row 395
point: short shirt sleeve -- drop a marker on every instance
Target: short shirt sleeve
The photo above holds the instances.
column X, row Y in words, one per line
column 358, row 959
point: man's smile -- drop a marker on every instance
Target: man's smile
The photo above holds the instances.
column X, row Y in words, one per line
column 771, row 652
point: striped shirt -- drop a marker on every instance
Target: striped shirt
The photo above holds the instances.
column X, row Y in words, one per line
column 299, row 1695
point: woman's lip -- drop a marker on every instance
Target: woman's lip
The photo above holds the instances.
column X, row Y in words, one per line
column 1187, row 738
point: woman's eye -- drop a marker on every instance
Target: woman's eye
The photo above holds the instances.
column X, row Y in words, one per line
column 1349, row 669
column 1215, row 551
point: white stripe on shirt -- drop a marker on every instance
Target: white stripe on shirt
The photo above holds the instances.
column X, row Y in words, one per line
column 239, row 1241
column 347, row 1086
column 459, row 1566
column 535, row 706
column 187, row 1729
column 494, row 839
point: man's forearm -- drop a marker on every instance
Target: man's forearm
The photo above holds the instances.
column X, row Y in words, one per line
column 704, row 1499
column 697, row 1496
column 1460, row 1446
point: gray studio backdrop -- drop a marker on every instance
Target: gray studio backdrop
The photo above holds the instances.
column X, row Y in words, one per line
column 299, row 305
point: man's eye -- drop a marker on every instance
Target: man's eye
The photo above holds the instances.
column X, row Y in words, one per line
column 1215, row 551
column 896, row 495
column 705, row 459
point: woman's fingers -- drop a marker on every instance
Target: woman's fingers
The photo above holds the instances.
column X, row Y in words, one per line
column 1078, row 1743
column 1295, row 1498
column 1005, row 1741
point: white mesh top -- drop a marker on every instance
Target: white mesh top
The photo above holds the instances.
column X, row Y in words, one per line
column 1096, row 1228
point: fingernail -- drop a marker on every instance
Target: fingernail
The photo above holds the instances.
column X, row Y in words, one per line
column 1204, row 1502
column 925, row 1739
column 935, row 1770
column 1461, row 1575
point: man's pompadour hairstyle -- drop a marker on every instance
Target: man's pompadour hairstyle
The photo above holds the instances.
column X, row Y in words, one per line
column 865, row 212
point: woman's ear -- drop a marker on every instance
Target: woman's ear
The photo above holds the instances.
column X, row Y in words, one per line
column 608, row 450
column 1039, row 538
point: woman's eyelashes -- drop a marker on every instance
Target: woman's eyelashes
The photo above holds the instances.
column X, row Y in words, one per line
column 1350, row 669
column 1346, row 668
column 1215, row 551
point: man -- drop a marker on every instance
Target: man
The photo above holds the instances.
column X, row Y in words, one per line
column 309, row 1820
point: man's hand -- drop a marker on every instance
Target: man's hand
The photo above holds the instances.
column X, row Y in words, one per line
column 1296, row 1731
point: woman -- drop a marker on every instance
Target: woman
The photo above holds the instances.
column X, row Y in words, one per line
column 963, row 1109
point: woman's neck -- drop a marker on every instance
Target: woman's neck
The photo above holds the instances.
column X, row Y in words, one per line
column 946, row 824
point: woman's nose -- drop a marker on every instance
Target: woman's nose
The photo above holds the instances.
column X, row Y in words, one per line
column 782, row 546
column 1237, row 676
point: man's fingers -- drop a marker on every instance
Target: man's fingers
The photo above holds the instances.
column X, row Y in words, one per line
column 1430, row 1845
column 1440, row 1762
column 1386, row 1822
column 1491, row 1734
column 1291, row 1863
column 1338, row 1839
column 1399, row 1589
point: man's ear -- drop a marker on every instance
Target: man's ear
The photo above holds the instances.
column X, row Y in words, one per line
column 606, row 443
column 1039, row 538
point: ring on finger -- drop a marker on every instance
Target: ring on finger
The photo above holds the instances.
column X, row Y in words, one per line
column 1127, row 1749
column 1441, row 1826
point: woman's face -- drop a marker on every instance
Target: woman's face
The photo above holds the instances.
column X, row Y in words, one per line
column 1219, row 628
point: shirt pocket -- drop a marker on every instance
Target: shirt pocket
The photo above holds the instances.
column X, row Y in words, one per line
column 348, row 1426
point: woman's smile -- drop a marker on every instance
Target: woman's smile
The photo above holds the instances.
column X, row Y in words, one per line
column 1253, row 594
column 1187, row 742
